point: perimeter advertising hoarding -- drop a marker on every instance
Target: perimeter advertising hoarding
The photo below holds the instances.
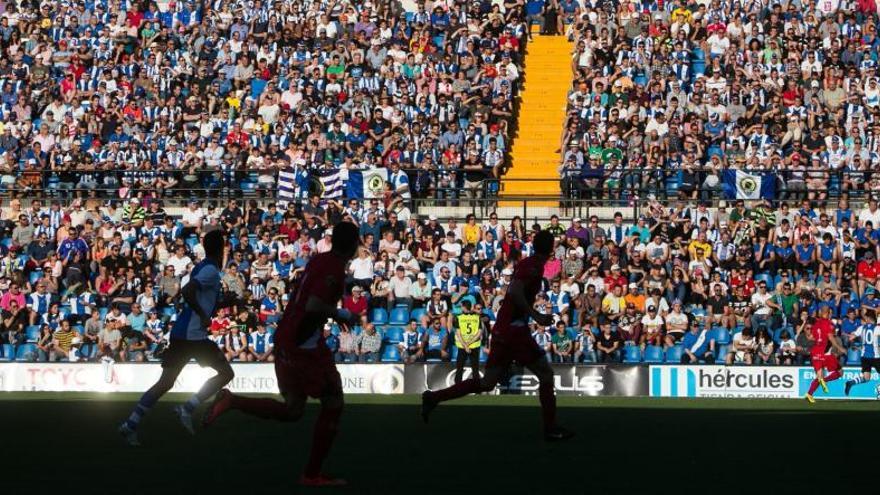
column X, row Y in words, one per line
column 569, row 379
column 788, row 382
column 122, row 377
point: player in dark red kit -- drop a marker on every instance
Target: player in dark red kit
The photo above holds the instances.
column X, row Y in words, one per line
column 303, row 363
column 511, row 340
column 824, row 340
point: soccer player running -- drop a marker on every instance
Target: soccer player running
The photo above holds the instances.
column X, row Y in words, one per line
column 511, row 341
column 189, row 340
column 869, row 334
column 304, row 365
column 824, row 340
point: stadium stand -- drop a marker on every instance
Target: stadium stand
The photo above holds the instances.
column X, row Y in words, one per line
column 715, row 148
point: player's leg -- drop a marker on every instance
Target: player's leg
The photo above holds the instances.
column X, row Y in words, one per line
column 833, row 367
column 128, row 428
column 818, row 363
column 864, row 377
column 546, row 394
column 326, row 428
column 291, row 410
column 206, row 354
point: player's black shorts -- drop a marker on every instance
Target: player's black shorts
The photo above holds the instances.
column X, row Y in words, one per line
column 869, row 363
column 205, row 352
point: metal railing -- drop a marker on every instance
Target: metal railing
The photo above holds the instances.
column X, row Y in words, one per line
column 623, row 188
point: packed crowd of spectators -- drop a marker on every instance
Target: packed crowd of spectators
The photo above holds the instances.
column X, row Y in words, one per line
column 680, row 282
column 667, row 95
column 154, row 99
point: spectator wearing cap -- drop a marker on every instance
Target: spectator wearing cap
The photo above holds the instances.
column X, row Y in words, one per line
column 697, row 345
column 652, row 326
column 577, row 231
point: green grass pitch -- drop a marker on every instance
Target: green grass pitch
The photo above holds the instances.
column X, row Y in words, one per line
column 67, row 443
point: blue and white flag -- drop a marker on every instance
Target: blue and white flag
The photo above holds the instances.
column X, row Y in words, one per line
column 366, row 184
column 292, row 185
column 742, row 185
column 328, row 183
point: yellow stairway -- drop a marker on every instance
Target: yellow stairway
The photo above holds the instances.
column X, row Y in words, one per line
column 541, row 120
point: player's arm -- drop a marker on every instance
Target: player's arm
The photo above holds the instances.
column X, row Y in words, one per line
column 518, row 297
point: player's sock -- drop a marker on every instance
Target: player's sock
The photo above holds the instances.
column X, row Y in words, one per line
column 192, row 404
column 460, row 389
column 859, row 379
column 814, row 385
column 548, row 405
column 322, row 439
column 834, row 375
column 134, row 419
column 261, row 408
column 140, row 410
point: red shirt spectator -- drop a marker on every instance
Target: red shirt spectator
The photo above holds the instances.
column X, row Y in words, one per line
column 355, row 303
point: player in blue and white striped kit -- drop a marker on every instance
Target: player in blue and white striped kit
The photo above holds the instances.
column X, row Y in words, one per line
column 869, row 334
column 189, row 340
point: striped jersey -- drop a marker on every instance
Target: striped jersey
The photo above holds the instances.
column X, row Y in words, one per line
column 189, row 326
column 869, row 334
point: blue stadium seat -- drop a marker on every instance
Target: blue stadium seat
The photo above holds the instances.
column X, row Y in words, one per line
column 483, row 355
column 573, row 315
column 697, row 54
column 673, row 354
column 34, row 276
column 853, row 356
column 572, row 332
column 653, row 354
column 103, row 312
column 79, row 329
column 8, row 352
column 393, row 335
column 721, row 335
column 168, row 311
column 632, row 354
column 32, row 333
column 417, row 313
column 6, row 242
column 390, row 354
column 399, row 316
column 379, row 316
column 722, row 353
column 25, row 351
